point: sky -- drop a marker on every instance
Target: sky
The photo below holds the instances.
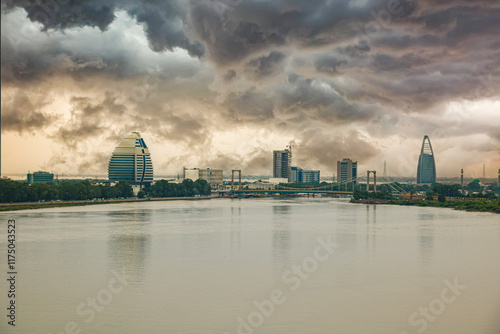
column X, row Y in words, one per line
column 223, row 83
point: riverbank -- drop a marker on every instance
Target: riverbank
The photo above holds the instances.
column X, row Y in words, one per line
column 463, row 205
column 43, row 205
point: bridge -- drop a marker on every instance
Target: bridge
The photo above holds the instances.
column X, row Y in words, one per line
column 293, row 191
column 330, row 189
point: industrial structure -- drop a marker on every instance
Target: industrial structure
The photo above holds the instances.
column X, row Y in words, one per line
column 131, row 161
column 40, row 177
column 347, row 171
column 426, row 169
column 213, row 176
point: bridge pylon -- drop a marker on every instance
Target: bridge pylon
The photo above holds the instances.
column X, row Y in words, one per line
column 374, row 180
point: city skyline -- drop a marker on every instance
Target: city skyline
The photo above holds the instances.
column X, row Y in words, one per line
column 362, row 80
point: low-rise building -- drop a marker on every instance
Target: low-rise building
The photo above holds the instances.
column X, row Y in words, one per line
column 40, row 177
column 261, row 185
column 300, row 175
column 212, row 176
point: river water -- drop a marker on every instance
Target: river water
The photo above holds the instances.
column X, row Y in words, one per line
column 253, row 266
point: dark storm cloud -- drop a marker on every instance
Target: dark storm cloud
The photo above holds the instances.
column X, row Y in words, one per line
column 281, row 65
column 163, row 20
column 23, row 112
column 266, row 65
column 320, row 99
column 249, row 106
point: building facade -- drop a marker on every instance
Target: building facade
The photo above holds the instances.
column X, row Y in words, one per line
column 212, row 176
column 303, row 176
column 309, row 176
column 347, row 171
column 40, row 177
column 131, row 161
column 281, row 164
column 426, row 169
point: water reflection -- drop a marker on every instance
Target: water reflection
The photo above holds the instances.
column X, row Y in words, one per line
column 281, row 236
column 235, row 230
column 129, row 245
column 371, row 228
column 425, row 232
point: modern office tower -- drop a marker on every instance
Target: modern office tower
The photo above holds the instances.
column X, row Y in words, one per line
column 281, row 164
column 499, row 177
column 212, row 176
column 40, row 177
column 426, row 169
column 131, row 161
column 347, row 171
column 462, row 178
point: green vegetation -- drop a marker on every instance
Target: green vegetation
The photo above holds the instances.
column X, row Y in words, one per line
column 188, row 188
column 16, row 192
column 488, row 204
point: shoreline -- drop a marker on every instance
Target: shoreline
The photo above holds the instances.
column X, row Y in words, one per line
column 469, row 206
column 4, row 207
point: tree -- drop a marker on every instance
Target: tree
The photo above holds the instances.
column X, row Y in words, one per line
column 441, row 198
column 123, row 189
column 141, row 194
column 474, row 186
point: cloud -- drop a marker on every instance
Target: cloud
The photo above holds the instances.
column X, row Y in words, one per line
column 23, row 112
column 163, row 20
column 341, row 77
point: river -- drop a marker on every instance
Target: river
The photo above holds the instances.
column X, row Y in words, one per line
column 279, row 266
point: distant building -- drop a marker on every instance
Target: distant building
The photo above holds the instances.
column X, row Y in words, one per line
column 309, row 176
column 40, row 177
column 347, row 171
column 278, row 180
column 261, row 185
column 303, row 176
column 281, row 164
column 131, row 161
column 212, row 176
column 426, row 169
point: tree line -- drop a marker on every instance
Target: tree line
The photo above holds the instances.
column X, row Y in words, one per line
column 17, row 192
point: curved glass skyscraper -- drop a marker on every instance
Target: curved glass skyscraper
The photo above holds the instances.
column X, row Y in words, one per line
column 131, row 161
column 426, row 170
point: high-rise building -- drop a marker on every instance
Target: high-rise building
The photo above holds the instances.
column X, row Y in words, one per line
column 40, row 177
column 212, row 176
column 281, row 164
column 131, row 161
column 426, row 169
column 347, row 171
